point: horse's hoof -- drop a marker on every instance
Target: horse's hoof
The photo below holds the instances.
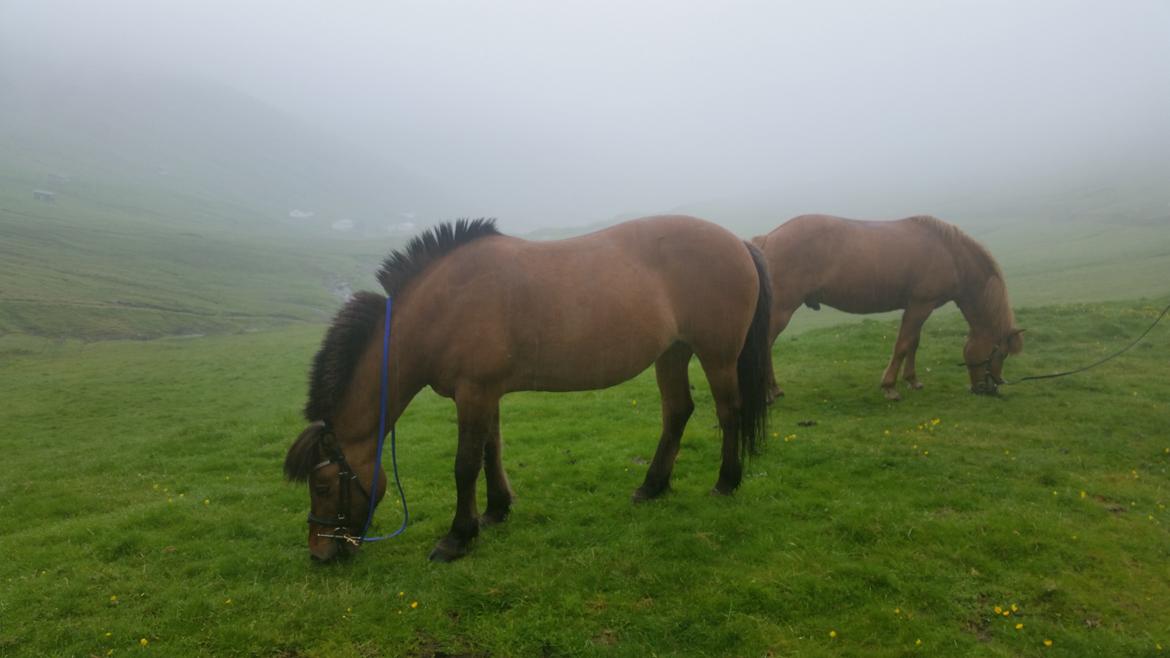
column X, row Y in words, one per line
column 454, row 545
column 492, row 517
column 916, row 385
column 891, row 394
column 644, row 493
column 446, row 553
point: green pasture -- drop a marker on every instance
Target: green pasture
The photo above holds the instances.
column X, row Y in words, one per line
column 93, row 266
column 144, row 511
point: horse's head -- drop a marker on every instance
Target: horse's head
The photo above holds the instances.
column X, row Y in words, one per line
column 984, row 355
column 339, row 490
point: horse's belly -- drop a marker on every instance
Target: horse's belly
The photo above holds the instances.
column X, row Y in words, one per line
column 567, row 366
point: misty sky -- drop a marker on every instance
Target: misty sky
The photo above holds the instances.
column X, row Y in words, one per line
column 569, row 112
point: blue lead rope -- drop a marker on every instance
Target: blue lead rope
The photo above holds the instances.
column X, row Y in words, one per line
column 382, row 440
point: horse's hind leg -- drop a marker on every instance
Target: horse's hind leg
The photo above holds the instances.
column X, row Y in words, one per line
column 475, row 411
column 910, row 371
column 499, row 493
column 776, row 325
column 677, row 406
column 725, row 390
column 904, row 348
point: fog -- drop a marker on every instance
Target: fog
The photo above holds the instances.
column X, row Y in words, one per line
column 568, row 113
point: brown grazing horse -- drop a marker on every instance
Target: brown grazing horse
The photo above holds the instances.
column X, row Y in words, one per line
column 917, row 264
column 477, row 314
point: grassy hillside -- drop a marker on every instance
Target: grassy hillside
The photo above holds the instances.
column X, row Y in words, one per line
column 142, row 484
column 142, row 136
column 59, row 277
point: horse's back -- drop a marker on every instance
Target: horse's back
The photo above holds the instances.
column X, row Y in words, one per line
column 594, row 310
column 674, row 271
column 858, row 266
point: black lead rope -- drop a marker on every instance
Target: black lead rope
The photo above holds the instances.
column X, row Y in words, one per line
column 1096, row 363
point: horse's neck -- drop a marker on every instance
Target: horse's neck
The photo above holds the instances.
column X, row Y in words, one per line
column 976, row 306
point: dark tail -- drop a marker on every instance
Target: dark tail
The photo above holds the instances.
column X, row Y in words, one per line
column 752, row 365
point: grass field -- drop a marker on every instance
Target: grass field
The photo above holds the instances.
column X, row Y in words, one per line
column 145, row 512
column 98, row 266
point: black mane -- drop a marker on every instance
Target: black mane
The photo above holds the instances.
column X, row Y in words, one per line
column 402, row 266
column 335, row 363
column 354, row 325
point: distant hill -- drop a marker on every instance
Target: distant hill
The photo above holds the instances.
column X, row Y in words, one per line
column 110, row 138
column 1139, row 193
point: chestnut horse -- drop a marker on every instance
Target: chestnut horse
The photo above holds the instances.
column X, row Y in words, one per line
column 477, row 314
column 916, row 264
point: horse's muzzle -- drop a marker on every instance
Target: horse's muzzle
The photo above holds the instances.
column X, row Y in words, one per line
column 988, row 387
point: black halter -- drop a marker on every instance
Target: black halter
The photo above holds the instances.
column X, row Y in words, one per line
column 340, row 522
column 990, row 381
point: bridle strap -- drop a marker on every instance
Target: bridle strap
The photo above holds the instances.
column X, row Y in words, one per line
column 338, row 457
column 345, row 475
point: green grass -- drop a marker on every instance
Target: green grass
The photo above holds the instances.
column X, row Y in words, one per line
column 150, row 472
column 142, row 497
column 85, row 268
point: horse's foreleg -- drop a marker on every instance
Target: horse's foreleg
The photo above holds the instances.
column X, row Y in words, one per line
column 677, row 406
column 475, row 417
column 499, row 493
column 908, row 335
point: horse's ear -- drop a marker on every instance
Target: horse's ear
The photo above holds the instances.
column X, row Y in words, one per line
column 302, row 454
column 1015, row 341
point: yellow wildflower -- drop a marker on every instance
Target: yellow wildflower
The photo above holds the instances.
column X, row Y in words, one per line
column 833, row 634
column 1015, row 608
column 935, row 421
column 143, row 642
column 897, row 611
column 414, row 604
column 402, row 594
column 1047, row 643
column 997, row 609
column 227, row 601
column 206, row 501
column 918, row 642
column 1083, row 494
column 1019, row 627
